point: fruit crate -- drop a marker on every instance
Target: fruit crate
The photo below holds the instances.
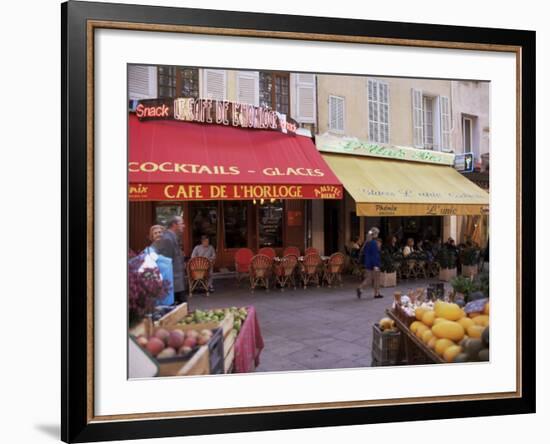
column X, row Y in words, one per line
column 386, row 346
column 229, row 350
column 226, row 324
column 403, row 316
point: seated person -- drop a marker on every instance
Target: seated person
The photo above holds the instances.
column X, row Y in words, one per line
column 354, row 247
column 409, row 248
column 204, row 249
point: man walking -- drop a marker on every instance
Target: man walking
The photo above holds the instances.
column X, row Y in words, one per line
column 168, row 245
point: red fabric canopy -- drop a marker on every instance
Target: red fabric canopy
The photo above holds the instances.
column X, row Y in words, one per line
column 171, row 160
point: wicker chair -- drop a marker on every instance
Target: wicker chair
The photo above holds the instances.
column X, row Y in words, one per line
column 243, row 256
column 284, row 271
column 267, row 251
column 408, row 270
column 260, row 271
column 311, row 250
column 420, row 269
column 433, row 269
column 310, row 270
column 334, row 268
column 291, row 250
column 198, row 269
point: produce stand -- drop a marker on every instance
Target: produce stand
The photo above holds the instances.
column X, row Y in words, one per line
column 415, row 351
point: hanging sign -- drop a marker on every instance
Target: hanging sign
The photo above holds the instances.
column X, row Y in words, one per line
column 219, row 112
column 345, row 145
column 464, row 163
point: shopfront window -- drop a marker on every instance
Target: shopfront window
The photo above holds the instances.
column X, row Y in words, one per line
column 163, row 213
column 235, row 224
column 270, row 224
column 204, row 220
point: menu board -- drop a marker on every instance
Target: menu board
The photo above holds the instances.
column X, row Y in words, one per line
column 270, row 228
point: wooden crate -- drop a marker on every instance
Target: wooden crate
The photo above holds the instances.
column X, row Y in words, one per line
column 229, row 350
column 199, row 364
column 446, row 274
column 173, row 316
column 172, row 323
column 388, row 279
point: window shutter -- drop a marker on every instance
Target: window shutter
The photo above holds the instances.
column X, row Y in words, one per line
column 305, row 98
column 379, row 111
column 142, row 82
column 336, row 113
column 214, row 84
column 418, row 124
column 248, row 89
column 445, row 123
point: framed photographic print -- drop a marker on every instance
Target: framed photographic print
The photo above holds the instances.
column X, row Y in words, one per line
column 276, row 221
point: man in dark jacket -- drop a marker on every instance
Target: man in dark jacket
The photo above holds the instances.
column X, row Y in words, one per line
column 168, row 245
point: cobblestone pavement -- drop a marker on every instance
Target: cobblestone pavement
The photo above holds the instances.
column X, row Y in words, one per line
column 316, row 328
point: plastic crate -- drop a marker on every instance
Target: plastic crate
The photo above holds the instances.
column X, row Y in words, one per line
column 386, row 346
column 215, row 353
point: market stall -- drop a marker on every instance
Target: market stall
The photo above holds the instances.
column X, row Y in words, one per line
column 429, row 330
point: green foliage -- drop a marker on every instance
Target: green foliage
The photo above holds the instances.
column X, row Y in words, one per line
column 482, row 283
column 387, row 264
column 464, row 285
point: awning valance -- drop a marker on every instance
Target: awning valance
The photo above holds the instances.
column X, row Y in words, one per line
column 382, row 187
column 169, row 160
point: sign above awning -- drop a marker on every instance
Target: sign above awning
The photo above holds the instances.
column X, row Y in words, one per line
column 170, row 160
column 328, row 143
column 382, row 187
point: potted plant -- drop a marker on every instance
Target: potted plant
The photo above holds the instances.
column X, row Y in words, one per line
column 388, row 275
column 447, row 264
column 463, row 287
column 469, row 258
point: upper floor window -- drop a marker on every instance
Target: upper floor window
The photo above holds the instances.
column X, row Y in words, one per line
column 379, row 111
column 431, row 121
column 336, row 113
column 275, row 91
column 175, row 82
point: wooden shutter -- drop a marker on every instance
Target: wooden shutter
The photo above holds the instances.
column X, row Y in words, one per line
column 336, row 113
column 142, row 82
column 214, row 84
column 445, row 115
column 248, row 89
column 305, row 98
column 378, row 94
column 418, row 118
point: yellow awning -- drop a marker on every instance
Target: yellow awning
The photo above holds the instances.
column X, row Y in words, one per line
column 382, row 187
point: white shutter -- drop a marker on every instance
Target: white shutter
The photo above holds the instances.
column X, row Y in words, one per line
column 445, row 115
column 378, row 94
column 214, row 84
column 248, row 87
column 142, row 82
column 336, row 113
column 418, row 118
column 305, row 98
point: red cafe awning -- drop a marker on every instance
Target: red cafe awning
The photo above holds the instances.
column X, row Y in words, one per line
column 171, row 160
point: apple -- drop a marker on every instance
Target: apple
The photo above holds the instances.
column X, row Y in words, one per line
column 168, row 352
column 162, row 334
column 175, row 340
column 184, row 350
column 155, row 346
column 142, row 340
column 190, row 342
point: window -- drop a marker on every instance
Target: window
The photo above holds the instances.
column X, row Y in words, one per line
column 467, row 134
column 428, row 119
column 305, row 98
column 178, row 82
column 379, row 111
column 275, row 91
column 235, row 215
column 163, row 213
column 336, row 113
column 247, row 87
column 204, row 220
column 214, row 85
column 270, row 224
column 431, row 121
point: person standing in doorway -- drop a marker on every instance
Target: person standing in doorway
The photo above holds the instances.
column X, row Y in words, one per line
column 168, row 245
column 372, row 263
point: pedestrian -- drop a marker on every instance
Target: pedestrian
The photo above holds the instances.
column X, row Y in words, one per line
column 372, row 263
column 204, row 249
column 155, row 234
column 409, row 247
column 164, row 263
column 168, row 245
